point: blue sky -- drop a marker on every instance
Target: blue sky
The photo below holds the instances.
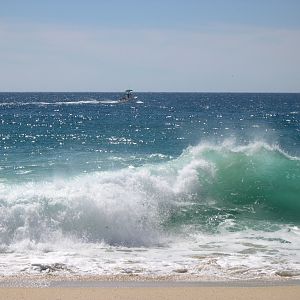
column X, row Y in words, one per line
column 158, row 45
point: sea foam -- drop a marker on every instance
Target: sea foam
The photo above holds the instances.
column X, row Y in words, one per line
column 132, row 206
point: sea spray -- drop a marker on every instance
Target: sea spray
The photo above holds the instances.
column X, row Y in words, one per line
column 205, row 186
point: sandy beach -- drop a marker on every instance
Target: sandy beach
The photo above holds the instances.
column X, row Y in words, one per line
column 245, row 293
column 151, row 290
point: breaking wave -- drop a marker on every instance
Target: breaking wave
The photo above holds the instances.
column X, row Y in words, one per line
column 205, row 189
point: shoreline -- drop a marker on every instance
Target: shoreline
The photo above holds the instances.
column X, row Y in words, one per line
column 125, row 281
column 53, row 287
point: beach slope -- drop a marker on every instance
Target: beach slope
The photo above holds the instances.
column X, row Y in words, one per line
column 151, row 293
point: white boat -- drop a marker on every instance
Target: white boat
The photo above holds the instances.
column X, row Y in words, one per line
column 128, row 95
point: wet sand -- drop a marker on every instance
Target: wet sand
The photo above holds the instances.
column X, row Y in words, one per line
column 149, row 290
column 245, row 293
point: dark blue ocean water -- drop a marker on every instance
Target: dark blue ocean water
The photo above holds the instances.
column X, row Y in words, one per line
column 205, row 168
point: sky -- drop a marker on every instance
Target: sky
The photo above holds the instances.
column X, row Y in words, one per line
column 157, row 45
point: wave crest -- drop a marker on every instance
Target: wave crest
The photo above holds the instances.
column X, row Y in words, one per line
column 208, row 186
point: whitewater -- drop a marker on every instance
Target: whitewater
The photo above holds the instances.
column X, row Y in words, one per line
column 178, row 184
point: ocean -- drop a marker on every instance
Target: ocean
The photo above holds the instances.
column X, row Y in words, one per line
column 205, row 185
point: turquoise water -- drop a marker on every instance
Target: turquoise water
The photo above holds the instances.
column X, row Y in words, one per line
column 207, row 175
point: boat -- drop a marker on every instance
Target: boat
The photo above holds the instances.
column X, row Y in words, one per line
column 128, row 95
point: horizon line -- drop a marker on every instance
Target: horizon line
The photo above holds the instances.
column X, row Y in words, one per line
column 141, row 91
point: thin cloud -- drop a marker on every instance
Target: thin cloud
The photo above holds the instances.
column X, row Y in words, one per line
column 215, row 58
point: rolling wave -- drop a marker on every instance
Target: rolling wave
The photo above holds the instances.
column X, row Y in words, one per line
column 206, row 188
